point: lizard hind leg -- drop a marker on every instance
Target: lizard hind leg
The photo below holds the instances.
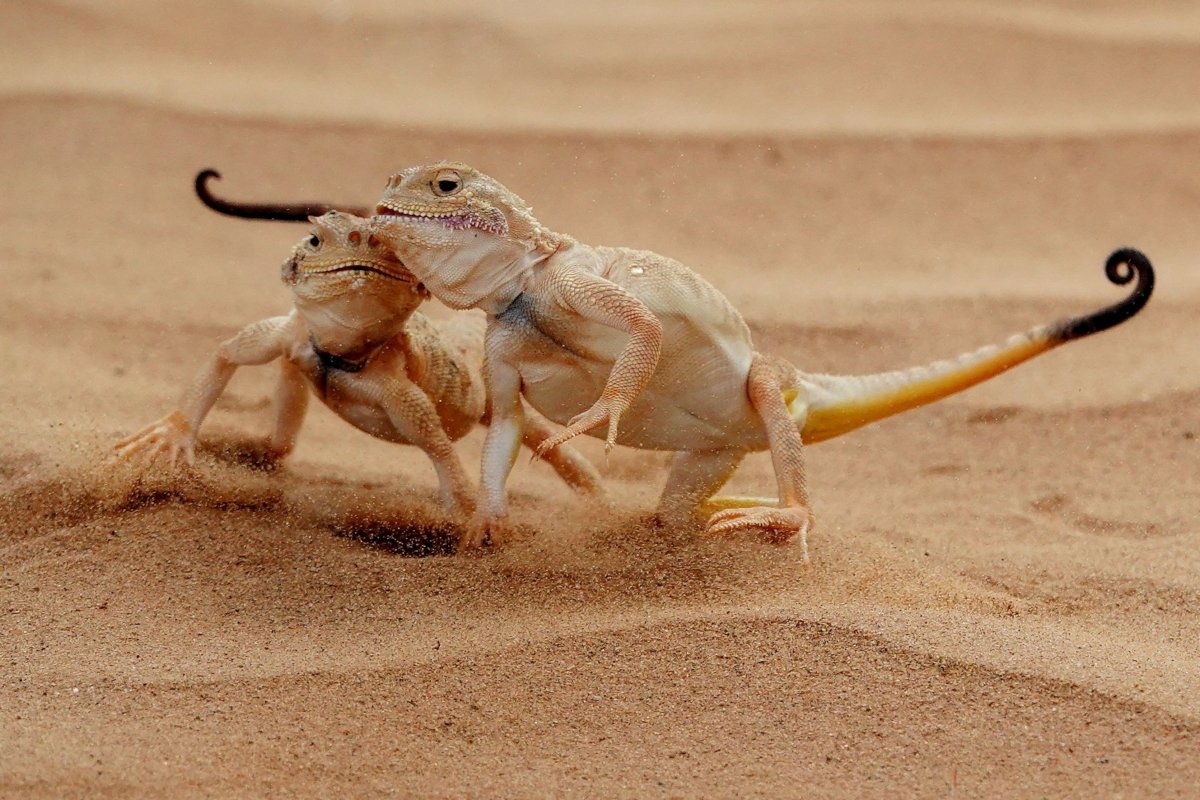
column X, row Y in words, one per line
column 695, row 476
column 790, row 519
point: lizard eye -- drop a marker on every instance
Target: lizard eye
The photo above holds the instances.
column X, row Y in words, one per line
column 447, row 182
column 314, row 241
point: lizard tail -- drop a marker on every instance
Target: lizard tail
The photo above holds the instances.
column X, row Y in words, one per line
column 293, row 212
column 831, row 405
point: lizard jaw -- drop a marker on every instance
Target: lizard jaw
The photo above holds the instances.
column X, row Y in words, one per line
column 313, row 264
column 454, row 220
column 449, row 219
column 359, row 268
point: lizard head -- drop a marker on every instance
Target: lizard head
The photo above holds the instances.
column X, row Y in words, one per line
column 458, row 197
column 346, row 281
column 464, row 234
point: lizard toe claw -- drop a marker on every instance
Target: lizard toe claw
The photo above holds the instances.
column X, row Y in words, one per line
column 611, row 438
column 780, row 525
column 600, row 413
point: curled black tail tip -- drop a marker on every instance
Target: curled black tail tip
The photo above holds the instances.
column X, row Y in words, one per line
column 1134, row 261
column 202, row 179
column 280, row 212
column 1122, row 266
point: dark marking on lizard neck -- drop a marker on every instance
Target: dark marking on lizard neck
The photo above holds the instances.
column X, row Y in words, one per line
column 329, row 361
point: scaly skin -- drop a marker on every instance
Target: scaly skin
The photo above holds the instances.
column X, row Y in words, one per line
column 640, row 346
column 355, row 338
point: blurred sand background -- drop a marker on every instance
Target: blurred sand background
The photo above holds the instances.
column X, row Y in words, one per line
column 1004, row 599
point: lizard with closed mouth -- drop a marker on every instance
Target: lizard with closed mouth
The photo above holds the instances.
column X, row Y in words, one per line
column 355, row 338
column 636, row 348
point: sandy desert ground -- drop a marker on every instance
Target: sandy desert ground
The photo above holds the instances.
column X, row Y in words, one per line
column 1004, row 598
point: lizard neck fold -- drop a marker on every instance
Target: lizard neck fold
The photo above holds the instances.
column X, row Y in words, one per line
column 352, row 327
column 512, row 278
column 491, row 284
column 464, row 268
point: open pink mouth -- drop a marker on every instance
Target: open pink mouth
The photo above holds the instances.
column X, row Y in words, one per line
column 456, row 222
column 489, row 221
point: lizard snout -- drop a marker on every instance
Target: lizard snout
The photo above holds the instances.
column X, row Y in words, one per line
column 290, row 270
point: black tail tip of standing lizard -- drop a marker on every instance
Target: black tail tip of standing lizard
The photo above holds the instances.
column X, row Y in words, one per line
column 1121, row 267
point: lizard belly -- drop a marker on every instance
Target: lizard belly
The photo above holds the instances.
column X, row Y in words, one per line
column 696, row 400
column 367, row 417
column 343, row 393
column 697, row 397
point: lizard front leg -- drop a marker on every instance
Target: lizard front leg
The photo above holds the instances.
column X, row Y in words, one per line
column 291, row 404
column 415, row 418
column 175, row 434
column 503, row 440
column 599, row 300
column 792, row 518
column 694, row 477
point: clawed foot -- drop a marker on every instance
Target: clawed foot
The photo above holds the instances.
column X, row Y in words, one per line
column 482, row 530
column 603, row 411
column 170, row 436
column 781, row 525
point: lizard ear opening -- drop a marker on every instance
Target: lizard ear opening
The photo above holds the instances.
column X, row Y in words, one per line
column 354, row 237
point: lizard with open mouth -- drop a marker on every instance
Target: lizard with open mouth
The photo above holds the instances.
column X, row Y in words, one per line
column 638, row 349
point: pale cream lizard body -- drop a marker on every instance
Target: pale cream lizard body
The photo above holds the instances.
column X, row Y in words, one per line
column 355, row 339
column 640, row 346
